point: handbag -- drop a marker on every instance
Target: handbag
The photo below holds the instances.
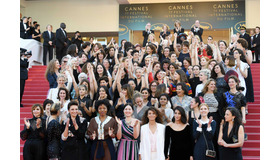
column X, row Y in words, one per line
column 209, row 153
column 235, row 138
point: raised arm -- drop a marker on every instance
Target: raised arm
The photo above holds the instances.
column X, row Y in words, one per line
column 219, row 57
column 193, row 50
column 174, row 45
column 116, row 78
column 116, row 56
column 249, row 57
column 92, row 81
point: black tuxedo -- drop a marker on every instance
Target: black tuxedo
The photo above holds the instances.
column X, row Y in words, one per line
column 23, row 75
column 47, row 47
column 256, row 41
column 60, row 47
column 23, row 32
column 199, row 33
column 247, row 38
column 146, row 35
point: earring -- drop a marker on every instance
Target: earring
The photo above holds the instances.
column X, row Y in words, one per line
column 232, row 119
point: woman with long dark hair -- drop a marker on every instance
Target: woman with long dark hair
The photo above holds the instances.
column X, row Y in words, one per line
column 218, row 74
column 125, row 97
column 231, row 136
column 152, row 135
column 234, row 98
column 52, row 72
column 180, row 76
column 180, row 134
column 163, row 107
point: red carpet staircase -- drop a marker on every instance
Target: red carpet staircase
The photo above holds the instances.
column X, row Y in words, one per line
column 36, row 89
column 251, row 147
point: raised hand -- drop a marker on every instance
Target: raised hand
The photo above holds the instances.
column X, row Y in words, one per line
column 198, row 121
column 210, row 120
column 67, row 123
column 118, row 120
column 38, row 123
column 93, row 135
column 135, row 123
column 27, row 123
column 83, row 104
column 111, row 130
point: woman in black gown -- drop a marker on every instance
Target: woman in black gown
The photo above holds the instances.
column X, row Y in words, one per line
column 231, row 137
column 54, row 133
column 74, row 147
column 179, row 132
column 34, row 134
column 36, row 35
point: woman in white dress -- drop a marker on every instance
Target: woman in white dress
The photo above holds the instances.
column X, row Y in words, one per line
column 241, row 69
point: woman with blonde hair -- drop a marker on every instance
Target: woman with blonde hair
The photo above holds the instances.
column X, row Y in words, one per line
column 52, row 72
column 204, row 75
column 152, row 40
column 54, row 133
column 203, row 132
column 164, row 33
column 178, row 29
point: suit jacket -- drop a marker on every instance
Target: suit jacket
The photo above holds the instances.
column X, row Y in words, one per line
column 199, row 32
column 47, row 38
column 146, row 35
column 60, row 38
column 256, row 41
column 23, row 69
column 23, row 33
column 247, row 38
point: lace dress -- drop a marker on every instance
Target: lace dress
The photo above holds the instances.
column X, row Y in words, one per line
column 54, row 136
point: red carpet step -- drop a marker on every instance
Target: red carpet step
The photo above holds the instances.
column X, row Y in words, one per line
column 37, row 86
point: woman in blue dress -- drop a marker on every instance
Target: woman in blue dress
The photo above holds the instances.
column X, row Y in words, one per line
column 203, row 132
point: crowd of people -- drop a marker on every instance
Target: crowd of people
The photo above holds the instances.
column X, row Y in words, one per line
column 162, row 100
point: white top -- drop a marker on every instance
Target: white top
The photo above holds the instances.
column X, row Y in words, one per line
column 145, row 144
column 242, row 83
column 199, row 88
column 53, row 92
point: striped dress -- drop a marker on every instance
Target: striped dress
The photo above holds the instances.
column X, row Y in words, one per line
column 128, row 147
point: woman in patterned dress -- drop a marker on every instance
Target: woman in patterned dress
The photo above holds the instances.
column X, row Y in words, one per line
column 128, row 132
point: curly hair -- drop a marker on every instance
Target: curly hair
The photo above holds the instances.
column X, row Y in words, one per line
column 158, row 119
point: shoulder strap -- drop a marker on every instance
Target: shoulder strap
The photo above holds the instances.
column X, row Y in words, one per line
column 206, row 141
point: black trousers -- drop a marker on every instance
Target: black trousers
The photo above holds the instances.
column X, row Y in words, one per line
column 34, row 150
column 257, row 54
column 22, row 84
column 60, row 52
column 46, row 50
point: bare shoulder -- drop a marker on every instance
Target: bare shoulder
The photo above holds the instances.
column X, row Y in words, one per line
column 169, row 124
